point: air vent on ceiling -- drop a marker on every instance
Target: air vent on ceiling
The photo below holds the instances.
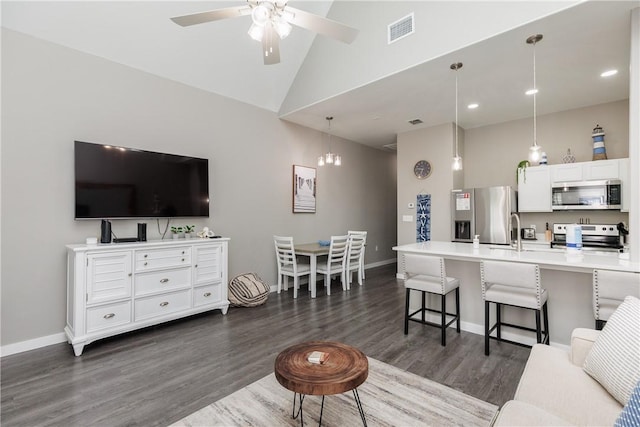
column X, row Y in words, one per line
column 401, row 28
column 415, row 121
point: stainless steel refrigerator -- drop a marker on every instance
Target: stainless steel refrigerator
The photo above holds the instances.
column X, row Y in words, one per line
column 485, row 212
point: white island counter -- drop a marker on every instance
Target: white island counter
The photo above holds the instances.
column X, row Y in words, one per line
column 568, row 280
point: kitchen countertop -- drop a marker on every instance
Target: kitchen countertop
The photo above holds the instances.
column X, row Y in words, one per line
column 553, row 259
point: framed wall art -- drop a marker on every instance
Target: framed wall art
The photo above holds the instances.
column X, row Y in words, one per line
column 304, row 189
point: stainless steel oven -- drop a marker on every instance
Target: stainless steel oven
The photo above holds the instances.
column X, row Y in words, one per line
column 586, row 195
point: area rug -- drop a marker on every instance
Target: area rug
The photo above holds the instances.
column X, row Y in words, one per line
column 390, row 397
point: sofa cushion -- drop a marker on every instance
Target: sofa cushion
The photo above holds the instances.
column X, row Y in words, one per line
column 630, row 415
column 553, row 383
column 517, row 413
column 614, row 359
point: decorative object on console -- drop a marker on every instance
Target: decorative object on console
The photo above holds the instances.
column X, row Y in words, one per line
column 599, row 150
column 423, row 218
column 105, row 231
column 176, row 231
column 304, row 189
column 522, row 168
column 534, row 150
column 568, row 158
column 206, row 233
column 142, row 232
column 188, row 231
column 543, row 158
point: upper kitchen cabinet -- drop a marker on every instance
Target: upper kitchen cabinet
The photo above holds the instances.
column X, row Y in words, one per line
column 584, row 171
column 534, row 189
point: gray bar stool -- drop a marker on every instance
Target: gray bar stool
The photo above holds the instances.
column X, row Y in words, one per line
column 518, row 285
column 609, row 290
column 427, row 274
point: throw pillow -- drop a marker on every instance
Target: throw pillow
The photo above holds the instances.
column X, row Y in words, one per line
column 247, row 290
column 614, row 359
column 630, row 415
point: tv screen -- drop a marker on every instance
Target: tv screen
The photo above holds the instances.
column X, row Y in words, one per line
column 119, row 182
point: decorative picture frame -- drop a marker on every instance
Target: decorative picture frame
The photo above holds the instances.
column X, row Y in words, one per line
column 304, row 189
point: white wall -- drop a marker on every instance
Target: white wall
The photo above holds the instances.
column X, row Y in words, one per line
column 53, row 95
column 435, row 144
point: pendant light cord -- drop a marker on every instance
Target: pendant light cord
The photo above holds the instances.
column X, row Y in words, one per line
column 457, row 112
column 535, row 94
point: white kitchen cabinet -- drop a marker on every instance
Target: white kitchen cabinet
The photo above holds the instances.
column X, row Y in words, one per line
column 566, row 172
column 602, row 169
column 116, row 288
column 534, row 189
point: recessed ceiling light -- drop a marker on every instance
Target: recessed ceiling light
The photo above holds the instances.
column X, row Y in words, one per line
column 531, row 91
column 473, row 106
column 609, row 73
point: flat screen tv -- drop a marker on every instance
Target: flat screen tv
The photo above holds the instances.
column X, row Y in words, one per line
column 119, row 182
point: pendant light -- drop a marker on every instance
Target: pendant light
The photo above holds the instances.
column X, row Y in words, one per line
column 457, row 160
column 535, row 149
column 329, row 158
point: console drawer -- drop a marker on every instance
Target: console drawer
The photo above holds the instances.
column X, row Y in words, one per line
column 160, row 305
column 160, row 281
column 209, row 294
column 108, row 316
column 152, row 259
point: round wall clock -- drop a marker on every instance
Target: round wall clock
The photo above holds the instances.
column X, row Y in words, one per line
column 422, row 169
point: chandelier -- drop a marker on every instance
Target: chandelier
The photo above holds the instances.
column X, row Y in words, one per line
column 330, row 158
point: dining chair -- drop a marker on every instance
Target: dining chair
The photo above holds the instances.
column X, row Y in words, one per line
column 288, row 266
column 354, row 258
column 335, row 263
column 364, row 245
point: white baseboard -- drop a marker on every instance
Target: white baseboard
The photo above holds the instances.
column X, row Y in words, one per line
column 32, row 344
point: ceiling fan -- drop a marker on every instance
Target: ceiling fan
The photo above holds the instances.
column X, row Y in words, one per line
column 272, row 22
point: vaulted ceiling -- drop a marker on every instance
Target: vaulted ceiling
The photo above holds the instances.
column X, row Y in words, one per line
column 371, row 87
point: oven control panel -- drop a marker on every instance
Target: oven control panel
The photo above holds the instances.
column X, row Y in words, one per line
column 590, row 229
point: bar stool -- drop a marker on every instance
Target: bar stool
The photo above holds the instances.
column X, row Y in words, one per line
column 427, row 274
column 515, row 284
column 609, row 290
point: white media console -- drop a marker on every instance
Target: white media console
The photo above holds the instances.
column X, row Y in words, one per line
column 116, row 288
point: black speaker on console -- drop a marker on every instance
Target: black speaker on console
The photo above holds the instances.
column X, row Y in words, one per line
column 142, row 232
column 105, row 231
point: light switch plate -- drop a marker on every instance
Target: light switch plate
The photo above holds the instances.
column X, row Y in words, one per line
column 407, row 218
column 411, row 205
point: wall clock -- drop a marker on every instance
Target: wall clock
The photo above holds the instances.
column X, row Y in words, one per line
column 422, row 169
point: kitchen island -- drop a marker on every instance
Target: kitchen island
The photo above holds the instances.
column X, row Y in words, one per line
column 568, row 279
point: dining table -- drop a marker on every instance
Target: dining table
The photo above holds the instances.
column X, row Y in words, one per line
column 313, row 251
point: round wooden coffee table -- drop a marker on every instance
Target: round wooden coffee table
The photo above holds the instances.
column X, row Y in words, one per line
column 345, row 369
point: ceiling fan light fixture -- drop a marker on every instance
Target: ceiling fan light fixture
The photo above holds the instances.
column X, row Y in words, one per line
column 261, row 13
column 256, row 32
column 282, row 27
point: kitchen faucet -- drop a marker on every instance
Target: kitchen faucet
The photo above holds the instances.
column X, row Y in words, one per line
column 518, row 238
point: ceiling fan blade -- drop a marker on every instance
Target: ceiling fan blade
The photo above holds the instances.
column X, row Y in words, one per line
column 212, row 15
column 321, row 25
column 270, row 46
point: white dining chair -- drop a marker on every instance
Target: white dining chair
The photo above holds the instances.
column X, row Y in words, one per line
column 288, row 266
column 335, row 263
column 354, row 258
column 364, row 245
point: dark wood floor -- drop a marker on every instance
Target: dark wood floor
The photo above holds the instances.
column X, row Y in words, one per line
column 159, row 375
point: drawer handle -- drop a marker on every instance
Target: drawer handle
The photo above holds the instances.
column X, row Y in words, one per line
column 164, row 280
column 129, row 274
column 208, row 294
column 109, row 316
column 196, row 266
column 182, row 259
column 164, row 304
column 182, row 252
column 146, row 263
column 145, row 255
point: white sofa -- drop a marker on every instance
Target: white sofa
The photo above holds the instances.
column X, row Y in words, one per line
column 555, row 390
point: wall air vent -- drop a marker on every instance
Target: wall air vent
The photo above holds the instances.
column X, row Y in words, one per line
column 415, row 121
column 401, row 28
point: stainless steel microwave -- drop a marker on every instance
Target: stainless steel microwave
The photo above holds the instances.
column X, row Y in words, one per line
column 586, row 195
